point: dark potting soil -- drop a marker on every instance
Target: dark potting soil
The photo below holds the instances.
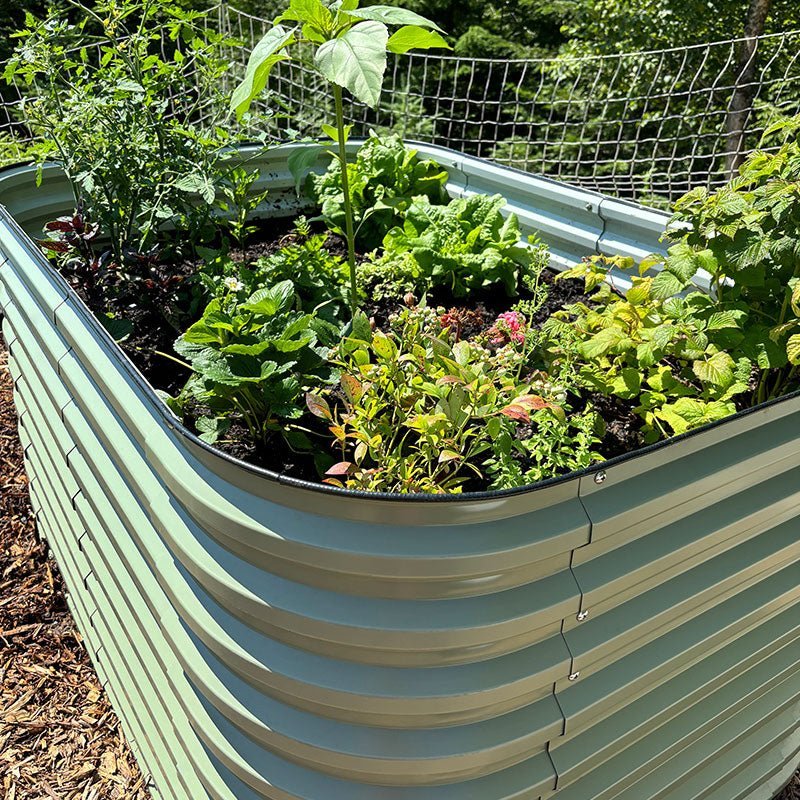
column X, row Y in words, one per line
column 155, row 315
column 158, row 314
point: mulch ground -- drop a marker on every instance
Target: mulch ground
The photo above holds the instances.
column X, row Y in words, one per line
column 59, row 738
column 792, row 792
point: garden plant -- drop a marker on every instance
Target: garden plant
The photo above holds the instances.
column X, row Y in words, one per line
column 392, row 339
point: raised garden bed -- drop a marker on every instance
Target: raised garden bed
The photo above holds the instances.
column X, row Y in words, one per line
column 59, row 733
column 627, row 632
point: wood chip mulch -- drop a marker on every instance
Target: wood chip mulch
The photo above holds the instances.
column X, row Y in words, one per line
column 792, row 791
column 59, row 738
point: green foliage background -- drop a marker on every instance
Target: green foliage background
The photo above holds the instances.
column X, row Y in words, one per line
column 529, row 28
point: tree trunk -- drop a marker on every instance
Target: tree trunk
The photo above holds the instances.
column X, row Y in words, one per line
column 742, row 100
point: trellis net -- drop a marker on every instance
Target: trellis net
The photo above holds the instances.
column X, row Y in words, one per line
column 645, row 125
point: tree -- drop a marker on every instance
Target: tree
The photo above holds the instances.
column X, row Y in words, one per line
column 745, row 90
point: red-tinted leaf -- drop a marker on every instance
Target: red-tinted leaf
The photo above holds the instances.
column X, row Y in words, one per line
column 61, row 224
column 516, row 412
column 532, row 402
column 449, row 379
column 520, row 408
column 341, row 468
column 352, row 388
column 318, row 406
column 56, row 247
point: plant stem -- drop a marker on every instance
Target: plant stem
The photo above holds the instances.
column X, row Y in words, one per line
column 348, row 206
column 787, row 296
column 171, row 358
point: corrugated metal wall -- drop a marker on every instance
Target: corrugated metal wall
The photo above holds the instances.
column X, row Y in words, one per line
column 636, row 637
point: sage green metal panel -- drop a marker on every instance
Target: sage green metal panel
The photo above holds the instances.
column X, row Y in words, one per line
column 146, row 720
column 604, row 638
column 766, row 777
column 262, row 639
column 742, row 738
column 614, row 576
column 665, row 741
column 591, row 699
column 34, row 206
column 575, row 754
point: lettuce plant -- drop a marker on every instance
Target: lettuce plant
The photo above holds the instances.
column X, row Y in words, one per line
column 383, row 181
column 349, row 46
column 465, row 246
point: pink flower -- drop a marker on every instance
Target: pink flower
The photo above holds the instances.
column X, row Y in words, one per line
column 509, row 326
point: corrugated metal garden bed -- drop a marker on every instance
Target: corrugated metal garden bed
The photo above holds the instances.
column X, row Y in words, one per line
column 630, row 632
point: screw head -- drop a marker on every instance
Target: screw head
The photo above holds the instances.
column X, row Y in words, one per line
column 574, row 676
column 582, row 615
column 600, row 477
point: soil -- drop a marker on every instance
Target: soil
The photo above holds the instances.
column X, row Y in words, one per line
column 158, row 320
column 59, row 737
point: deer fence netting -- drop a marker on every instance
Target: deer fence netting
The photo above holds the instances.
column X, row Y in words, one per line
column 646, row 125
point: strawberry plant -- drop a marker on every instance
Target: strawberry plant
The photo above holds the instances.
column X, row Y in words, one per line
column 349, row 47
column 251, row 361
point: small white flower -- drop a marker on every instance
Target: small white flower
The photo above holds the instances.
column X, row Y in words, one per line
column 233, row 284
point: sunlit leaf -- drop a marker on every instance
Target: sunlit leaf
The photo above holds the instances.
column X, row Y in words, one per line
column 793, row 349
column 356, row 61
column 392, row 15
column 718, row 369
column 263, row 58
column 413, row 37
